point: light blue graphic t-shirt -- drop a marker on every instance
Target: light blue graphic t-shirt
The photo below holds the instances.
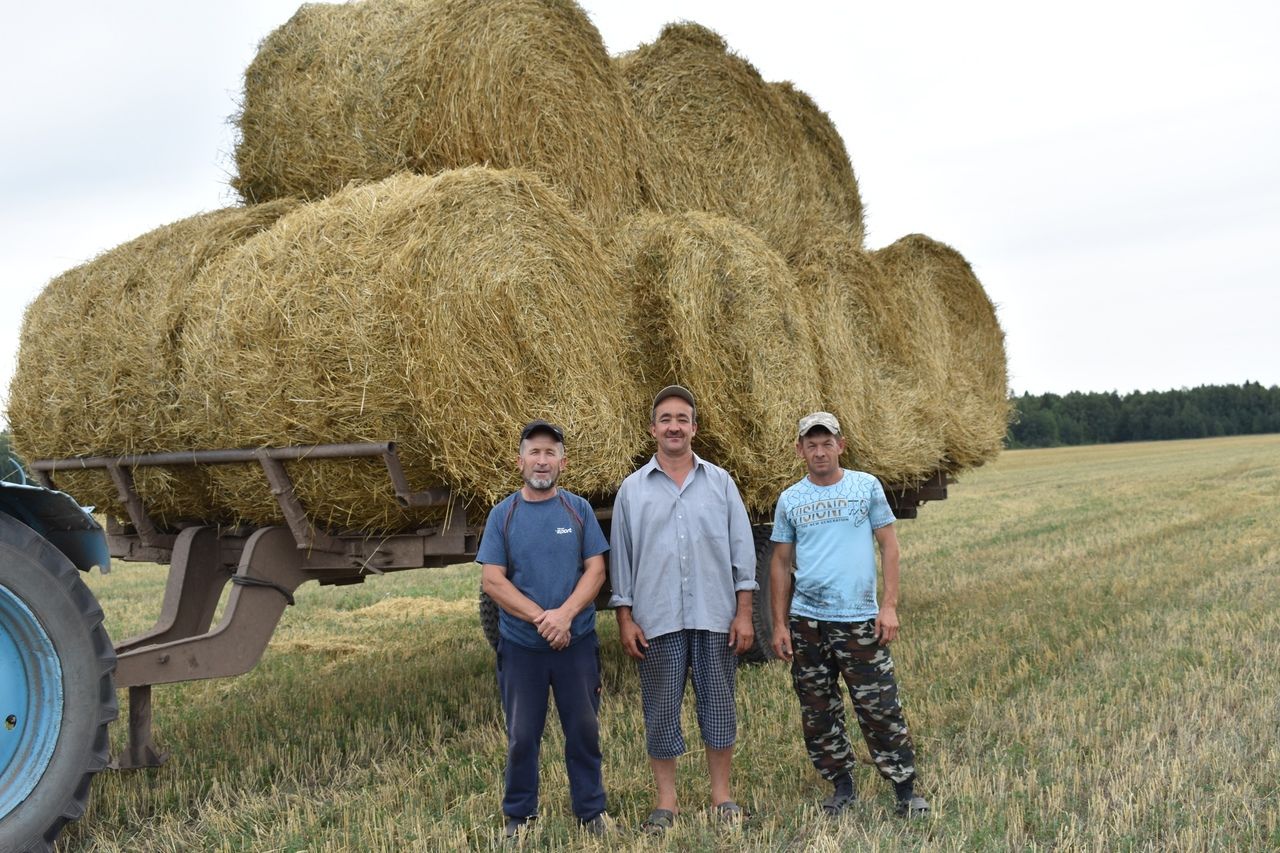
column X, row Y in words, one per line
column 831, row 527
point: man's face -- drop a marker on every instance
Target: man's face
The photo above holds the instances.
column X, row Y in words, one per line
column 541, row 461
column 821, row 451
column 673, row 426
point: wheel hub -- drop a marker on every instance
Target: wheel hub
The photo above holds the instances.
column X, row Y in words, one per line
column 30, row 700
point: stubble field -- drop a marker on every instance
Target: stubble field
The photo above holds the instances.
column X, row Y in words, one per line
column 1090, row 660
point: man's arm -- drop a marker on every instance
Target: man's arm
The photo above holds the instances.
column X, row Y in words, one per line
column 622, row 578
column 887, row 621
column 742, row 543
column 495, row 584
column 554, row 625
column 742, row 555
column 742, row 631
column 780, row 593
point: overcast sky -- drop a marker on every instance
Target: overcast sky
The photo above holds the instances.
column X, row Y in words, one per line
column 1108, row 168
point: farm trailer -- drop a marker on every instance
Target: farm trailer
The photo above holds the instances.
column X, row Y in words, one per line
column 57, row 691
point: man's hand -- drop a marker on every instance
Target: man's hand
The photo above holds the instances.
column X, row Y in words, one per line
column 742, row 634
column 633, row 640
column 782, row 641
column 887, row 625
column 554, row 627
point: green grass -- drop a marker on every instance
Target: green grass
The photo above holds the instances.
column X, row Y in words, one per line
column 1090, row 660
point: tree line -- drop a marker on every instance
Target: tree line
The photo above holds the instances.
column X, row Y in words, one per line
column 1048, row 420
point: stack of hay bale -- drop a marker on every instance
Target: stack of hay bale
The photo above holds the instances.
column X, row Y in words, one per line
column 463, row 214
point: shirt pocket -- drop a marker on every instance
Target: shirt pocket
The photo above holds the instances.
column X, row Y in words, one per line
column 711, row 519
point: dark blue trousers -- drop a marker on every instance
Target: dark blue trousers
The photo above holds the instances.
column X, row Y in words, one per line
column 525, row 678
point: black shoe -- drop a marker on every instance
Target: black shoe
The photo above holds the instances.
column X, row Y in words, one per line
column 516, row 825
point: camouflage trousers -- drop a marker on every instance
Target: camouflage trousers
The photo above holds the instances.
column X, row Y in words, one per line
column 825, row 651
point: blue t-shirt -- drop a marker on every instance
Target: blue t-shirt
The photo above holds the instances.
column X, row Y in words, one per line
column 542, row 549
column 835, row 549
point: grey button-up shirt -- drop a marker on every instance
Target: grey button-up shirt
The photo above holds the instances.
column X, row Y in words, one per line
column 679, row 555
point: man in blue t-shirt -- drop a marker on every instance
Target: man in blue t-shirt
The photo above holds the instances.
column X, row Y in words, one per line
column 829, row 524
column 543, row 564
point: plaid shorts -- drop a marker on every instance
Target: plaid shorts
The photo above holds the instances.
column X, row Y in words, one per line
column 663, row 672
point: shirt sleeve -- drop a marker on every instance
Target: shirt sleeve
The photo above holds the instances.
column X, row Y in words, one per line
column 621, row 574
column 783, row 529
column 493, row 545
column 742, row 545
column 880, row 513
column 593, row 541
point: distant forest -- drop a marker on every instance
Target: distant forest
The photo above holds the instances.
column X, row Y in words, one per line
column 1049, row 420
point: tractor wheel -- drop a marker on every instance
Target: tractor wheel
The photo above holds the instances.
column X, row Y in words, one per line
column 761, row 615
column 489, row 620
column 56, row 693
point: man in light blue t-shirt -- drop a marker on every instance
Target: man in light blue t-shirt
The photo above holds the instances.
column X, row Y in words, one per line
column 829, row 524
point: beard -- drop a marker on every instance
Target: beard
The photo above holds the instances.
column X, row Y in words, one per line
column 541, row 483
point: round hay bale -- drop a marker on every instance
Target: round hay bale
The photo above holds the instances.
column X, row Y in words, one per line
column 716, row 310
column 439, row 312
column 727, row 142
column 877, row 377
column 360, row 91
column 98, row 368
column 977, row 395
column 825, row 153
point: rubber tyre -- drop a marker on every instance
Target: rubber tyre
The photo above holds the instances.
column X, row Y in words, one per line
column 489, row 620
column 42, row 579
column 761, row 617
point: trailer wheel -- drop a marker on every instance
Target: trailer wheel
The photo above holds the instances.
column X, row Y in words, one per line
column 56, row 692
column 489, row 619
column 761, row 614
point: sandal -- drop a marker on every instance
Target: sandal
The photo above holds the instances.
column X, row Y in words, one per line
column 658, row 822
column 912, row 807
column 729, row 812
column 834, row 805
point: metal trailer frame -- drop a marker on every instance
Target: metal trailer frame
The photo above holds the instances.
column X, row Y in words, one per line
column 266, row 564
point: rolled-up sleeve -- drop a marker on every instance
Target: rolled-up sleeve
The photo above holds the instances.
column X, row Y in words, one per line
column 621, row 570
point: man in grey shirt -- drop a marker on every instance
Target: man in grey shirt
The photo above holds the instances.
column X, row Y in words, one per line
column 683, row 570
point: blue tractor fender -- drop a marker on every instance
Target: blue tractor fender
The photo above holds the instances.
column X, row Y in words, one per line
column 61, row 520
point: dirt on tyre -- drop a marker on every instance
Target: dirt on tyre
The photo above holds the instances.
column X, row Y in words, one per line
column 56, row 691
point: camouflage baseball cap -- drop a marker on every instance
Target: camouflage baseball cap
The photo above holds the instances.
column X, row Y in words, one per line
column 818, row 419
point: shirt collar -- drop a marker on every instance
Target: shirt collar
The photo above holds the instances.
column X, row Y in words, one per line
column 652, row 465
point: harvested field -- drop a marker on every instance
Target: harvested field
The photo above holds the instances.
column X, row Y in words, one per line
column 359, row 91
column 1086, row 714
column 715, row 309
column 727, row 142
column 976, row 412
column 99, row 366
column 438, row 312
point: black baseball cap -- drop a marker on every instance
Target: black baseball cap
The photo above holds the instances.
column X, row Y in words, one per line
column 537, row 426
column 675, row 391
